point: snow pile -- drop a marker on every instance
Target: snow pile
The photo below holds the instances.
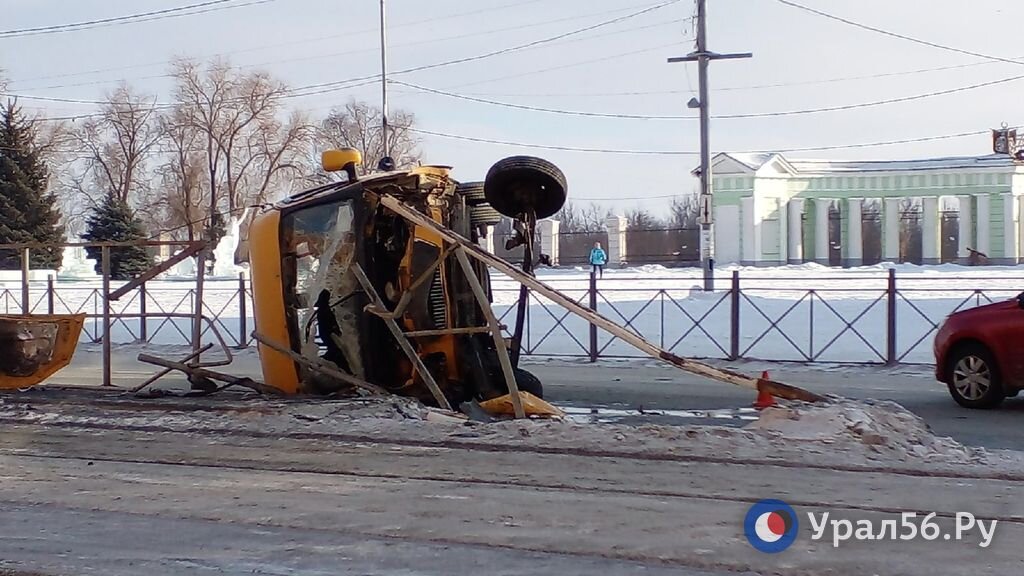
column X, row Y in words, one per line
column 843, row 435
column 881, row 426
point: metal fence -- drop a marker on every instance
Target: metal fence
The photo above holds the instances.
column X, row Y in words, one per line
column 849, row 317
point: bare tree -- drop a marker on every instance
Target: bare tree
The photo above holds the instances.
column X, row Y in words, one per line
column 178, row 207
column 641, row 219
column 246, row 147
column 358, row 125
column 118, row 143
column 684, row 212
column 587, row 220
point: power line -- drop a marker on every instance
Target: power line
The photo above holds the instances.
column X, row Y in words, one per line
column 502, row 51
column 570, row 65
column 877, row 102
column 507, row 50
column 689, row 153
column 330, row 37
column 721, row 116
column 733, row 88
column 552, row 147
column 896, row 35
column 545, row 40
column 539, row 109
column 290, row 93
column 131, row 18
column 885, row 143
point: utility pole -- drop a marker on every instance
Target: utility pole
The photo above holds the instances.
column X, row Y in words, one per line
column 703, row 57
column 383, row 82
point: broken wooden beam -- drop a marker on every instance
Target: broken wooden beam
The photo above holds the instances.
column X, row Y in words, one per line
column 212, row 375
column 189, row 251
column 574, row 307
column 319, row 366
column 492, row 322
column 401, row 339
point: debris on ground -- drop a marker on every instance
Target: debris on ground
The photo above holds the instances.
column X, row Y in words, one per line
column 842, row 434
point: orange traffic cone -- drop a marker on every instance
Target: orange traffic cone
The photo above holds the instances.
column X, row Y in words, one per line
column 764, row 399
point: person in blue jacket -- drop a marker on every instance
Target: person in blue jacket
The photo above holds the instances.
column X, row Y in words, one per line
column 598, row 259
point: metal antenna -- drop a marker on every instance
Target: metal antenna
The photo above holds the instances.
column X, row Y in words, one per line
column 384, row 81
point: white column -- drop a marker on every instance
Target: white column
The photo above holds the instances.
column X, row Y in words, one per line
column 1011, row 249
column 165, row 250
column 891, row 230
column 795, row 235
column 487, row 242
column 931, row 231
column 727, row 234
column 549, row 239
column 854, row 232
column 966, row 220
column 747, row 254
column 1020, row 227
column 821, row 246
column 984, row 220
column 783, row 228
column 616, row 240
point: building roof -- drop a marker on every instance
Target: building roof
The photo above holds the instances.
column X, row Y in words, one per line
column 807, row 166
column 753, row 161
column 948, row 163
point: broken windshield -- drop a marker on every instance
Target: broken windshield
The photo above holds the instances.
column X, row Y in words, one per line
column 319, row 249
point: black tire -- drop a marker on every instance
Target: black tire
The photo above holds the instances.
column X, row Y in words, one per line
column 518, row 184
column 974, row 380
column 527, row 382
column 473, row 192
column 483, row 215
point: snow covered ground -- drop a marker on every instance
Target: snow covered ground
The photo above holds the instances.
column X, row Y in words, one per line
column 791, row 313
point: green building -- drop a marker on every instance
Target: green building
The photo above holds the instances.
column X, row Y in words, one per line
column 771, row 209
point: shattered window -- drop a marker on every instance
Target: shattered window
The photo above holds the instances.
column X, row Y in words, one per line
column 314, row 232
column 320, row 243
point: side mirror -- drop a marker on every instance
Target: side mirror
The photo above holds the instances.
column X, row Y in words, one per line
column 1020, row 300
column 344, row 159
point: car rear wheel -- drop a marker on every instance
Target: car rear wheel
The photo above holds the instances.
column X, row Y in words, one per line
column 974, row 379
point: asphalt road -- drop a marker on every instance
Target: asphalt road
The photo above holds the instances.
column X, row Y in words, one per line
column 628, row 386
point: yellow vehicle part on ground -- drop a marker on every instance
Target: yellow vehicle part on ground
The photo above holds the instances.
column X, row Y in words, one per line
column 33, row 348
column 532, row 405
column 265, row 259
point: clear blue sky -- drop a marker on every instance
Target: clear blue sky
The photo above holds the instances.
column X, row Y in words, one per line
column 314, row 41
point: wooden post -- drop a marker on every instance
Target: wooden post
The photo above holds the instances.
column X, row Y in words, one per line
column 25, row 267
column 107, row 344
column 400, row 337
column 499, row 340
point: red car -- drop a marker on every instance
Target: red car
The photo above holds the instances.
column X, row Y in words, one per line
column 979, row 353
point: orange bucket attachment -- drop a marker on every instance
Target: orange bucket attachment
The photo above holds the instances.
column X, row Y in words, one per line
column 33, row 348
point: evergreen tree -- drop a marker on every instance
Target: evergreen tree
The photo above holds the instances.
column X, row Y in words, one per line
column 28, row 211
column 114, row 221
column 216, row 229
